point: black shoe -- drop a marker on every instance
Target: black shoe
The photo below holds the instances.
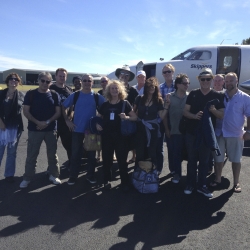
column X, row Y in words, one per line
column 71, row 181
column 90, row 179
column 107, row 186
column 9, row 179
column 203, row 190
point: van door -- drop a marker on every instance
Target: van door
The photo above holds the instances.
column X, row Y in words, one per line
column 228, row 60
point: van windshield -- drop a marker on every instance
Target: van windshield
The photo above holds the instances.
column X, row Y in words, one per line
column 183, row 55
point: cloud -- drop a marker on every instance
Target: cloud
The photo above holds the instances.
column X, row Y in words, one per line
column 126, row 38
column 185, row 32
column 76, row 47
column 222, row 28
column 10, row 62
column 66, row 27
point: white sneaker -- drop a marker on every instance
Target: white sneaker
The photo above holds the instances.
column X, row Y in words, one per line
column 24, row 184
column 55, row 180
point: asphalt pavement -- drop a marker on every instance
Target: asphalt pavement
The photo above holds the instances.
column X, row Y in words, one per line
column 84, row 216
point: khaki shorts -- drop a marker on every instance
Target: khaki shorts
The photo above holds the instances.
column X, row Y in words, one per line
column 233, row 146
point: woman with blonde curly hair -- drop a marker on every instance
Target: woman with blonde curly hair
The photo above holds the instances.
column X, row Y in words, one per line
column 112, row 138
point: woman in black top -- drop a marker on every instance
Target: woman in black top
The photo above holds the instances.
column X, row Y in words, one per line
column 11, row 124
column 112, row 139
column 149, row 107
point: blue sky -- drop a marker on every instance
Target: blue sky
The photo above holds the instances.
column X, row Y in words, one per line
column 97, row 36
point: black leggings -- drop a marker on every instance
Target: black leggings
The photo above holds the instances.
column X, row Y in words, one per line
column 115, row 142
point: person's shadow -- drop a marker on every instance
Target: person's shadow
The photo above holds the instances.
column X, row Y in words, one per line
column 160, row 219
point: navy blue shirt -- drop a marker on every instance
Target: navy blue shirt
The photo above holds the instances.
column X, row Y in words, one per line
column 42, row 108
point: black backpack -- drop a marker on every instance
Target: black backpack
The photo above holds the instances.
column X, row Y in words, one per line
column 76, row 96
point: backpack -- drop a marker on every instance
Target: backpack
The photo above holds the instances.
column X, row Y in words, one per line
column 76, row 96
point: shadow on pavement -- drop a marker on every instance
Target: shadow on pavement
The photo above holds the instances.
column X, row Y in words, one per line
column 159, row 219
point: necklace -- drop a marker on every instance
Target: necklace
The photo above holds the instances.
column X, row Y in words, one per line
column 9, row 95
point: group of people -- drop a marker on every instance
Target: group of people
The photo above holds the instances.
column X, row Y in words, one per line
column 213, row 121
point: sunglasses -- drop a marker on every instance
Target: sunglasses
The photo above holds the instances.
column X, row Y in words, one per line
column 104, row 81
column 185, row 83
column 13, row 79
column 43, row 81
column 205, row 79
column 167, row 71
column 87, row 80
column 124, row 74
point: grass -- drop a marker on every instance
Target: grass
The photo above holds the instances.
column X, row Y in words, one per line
column 25, row 88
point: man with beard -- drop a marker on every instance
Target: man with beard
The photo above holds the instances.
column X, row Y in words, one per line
column 231, row 140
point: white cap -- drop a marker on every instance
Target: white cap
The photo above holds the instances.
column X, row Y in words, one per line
column 141, row 72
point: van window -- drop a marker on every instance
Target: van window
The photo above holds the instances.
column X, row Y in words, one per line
column 183, row 55
column 200, row 55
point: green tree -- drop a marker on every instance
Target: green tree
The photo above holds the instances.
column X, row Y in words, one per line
column 246, row 41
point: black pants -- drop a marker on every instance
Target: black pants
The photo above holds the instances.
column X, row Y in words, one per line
column 66, row 137
column 142, row 151
column 115, row 142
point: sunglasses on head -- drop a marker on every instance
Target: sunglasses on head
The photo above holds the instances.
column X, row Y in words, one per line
column 205, row 79
column 13, row 79
column 167, row 71
column 43, row 81
column 87, row 80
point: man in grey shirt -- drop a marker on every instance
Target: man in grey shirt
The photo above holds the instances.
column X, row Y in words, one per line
column 177, row 103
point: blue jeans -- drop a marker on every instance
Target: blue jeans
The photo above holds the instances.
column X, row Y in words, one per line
column 177, row 143
column 200, row 154
column 10, row 165
column 76, row 155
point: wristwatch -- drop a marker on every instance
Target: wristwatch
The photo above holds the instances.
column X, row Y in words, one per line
column 48, row 122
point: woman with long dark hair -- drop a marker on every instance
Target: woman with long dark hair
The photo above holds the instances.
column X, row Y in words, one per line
column 149, row 107
column 11, row 124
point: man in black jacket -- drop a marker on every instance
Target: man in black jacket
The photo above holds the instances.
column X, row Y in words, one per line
column 195, row 104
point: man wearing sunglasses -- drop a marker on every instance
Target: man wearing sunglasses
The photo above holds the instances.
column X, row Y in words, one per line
column 166, row 88
column 104, row 83
column 42, row 108
column 84, row 108
column 193, row 110
column 125, row 75
column 64, row 91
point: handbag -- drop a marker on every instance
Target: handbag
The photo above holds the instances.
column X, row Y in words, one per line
column 92, row 142
column 127, row 127
column 146, row 180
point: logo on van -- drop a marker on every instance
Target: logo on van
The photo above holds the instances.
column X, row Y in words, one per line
column 200, row 66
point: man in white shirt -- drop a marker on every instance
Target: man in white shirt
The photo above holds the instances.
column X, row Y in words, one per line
column 231, row 140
